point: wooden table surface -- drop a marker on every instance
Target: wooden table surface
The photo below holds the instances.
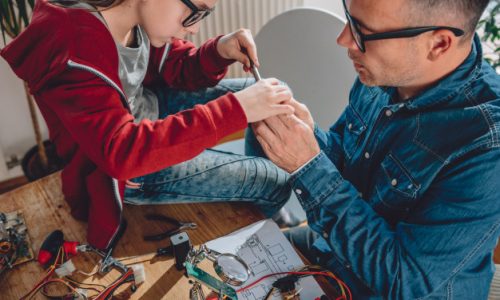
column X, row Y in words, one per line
column 45, row 210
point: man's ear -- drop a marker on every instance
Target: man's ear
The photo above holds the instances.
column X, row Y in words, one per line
column 440, row 43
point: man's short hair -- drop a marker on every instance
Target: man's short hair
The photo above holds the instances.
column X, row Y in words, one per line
column 466, row 12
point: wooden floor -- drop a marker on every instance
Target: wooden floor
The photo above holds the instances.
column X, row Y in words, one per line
column 45, row 210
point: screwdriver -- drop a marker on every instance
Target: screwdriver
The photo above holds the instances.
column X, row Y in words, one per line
column 254, row 70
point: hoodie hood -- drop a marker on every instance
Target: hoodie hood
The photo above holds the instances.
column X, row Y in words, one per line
column 56, row 35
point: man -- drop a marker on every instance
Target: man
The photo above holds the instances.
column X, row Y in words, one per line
column 402, row 191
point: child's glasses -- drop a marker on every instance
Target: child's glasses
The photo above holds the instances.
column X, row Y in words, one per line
column 196, row 14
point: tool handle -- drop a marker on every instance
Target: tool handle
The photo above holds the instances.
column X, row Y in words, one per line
column 254, row 70
column 167, row 251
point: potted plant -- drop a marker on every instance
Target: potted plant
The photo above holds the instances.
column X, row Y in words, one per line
column 42, row 159
column 489, row 29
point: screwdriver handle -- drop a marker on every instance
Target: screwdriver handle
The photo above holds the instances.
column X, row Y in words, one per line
column 254, row 70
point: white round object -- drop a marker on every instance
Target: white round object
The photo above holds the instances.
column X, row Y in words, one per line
column 299, row 47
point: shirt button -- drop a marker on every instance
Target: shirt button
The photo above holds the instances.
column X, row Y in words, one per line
column 388, row 112
column 298, row 191
column 367, row 155
column 325, row 235
column 349, row 126
column 394, row 182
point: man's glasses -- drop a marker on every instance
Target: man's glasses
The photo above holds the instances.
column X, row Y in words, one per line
column 196, row 14
column 361, row 38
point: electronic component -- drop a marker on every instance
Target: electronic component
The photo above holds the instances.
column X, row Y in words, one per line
column 15, row 245
column 211, row 282
column 181, row 246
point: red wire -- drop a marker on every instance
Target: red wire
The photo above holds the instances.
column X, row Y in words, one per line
column 51, row 270
column 110, row 289
column 299, row 273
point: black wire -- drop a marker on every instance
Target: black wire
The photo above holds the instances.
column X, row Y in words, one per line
column 58, row 297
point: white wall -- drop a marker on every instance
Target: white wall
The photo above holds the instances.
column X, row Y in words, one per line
column 334, row 6
column 16, row 131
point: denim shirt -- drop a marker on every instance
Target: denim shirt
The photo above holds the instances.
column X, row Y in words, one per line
column 406, row 196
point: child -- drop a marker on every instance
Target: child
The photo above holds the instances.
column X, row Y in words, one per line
column 128, row 103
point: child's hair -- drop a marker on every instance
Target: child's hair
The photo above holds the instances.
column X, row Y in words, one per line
column 95, row 3
column 102, row 3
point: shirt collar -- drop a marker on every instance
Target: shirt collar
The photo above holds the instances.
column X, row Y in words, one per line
column 449, row 86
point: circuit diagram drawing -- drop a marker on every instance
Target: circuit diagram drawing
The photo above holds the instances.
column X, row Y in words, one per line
column 266, row 251
column 263, row 259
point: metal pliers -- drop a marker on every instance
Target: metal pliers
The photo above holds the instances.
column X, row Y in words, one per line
column 179, row 227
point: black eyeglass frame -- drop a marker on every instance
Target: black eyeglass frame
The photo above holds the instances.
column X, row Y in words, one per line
column 196, row 15
column 360, row 38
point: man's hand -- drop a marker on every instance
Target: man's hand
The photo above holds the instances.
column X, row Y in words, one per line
column 302, row 112
column 265, row 99
column 287, row 141
column 239, row 45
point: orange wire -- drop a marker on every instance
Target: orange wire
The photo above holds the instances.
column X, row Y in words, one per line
column 53, row 280
column 50, row 271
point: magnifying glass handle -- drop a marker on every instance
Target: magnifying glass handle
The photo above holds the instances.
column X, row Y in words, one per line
column 210, row 254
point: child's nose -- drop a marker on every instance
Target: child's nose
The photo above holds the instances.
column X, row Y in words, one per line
column 194, row 29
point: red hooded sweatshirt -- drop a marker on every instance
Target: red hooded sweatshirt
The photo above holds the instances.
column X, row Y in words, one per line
column 70, row 61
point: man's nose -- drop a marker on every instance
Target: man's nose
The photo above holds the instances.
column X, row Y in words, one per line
column 346, row 40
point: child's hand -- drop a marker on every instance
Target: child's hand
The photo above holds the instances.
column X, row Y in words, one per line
column 239, row 45
column 264, row 99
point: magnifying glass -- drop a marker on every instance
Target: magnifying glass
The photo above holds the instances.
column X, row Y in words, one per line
column 229, row 267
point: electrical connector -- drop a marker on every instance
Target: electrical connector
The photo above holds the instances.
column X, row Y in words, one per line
column 66, row 269
column 286, row 284
column 82, row 294
column 139, row 273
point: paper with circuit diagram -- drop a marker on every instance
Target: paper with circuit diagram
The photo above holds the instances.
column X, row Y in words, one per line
column 265, row 250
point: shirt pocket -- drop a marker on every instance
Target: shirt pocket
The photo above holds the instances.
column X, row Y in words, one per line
column 396, row 190
column 353, row 132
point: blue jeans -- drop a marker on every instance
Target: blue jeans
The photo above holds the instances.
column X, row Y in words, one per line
column 212, row 176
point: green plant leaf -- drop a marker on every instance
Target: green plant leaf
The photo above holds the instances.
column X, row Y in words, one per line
column 491, row 34
column 23, row 13
column 15, row 18
column 2, row 28
column 6, row 18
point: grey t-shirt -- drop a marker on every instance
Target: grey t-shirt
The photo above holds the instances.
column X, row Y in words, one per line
column 133, row 64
